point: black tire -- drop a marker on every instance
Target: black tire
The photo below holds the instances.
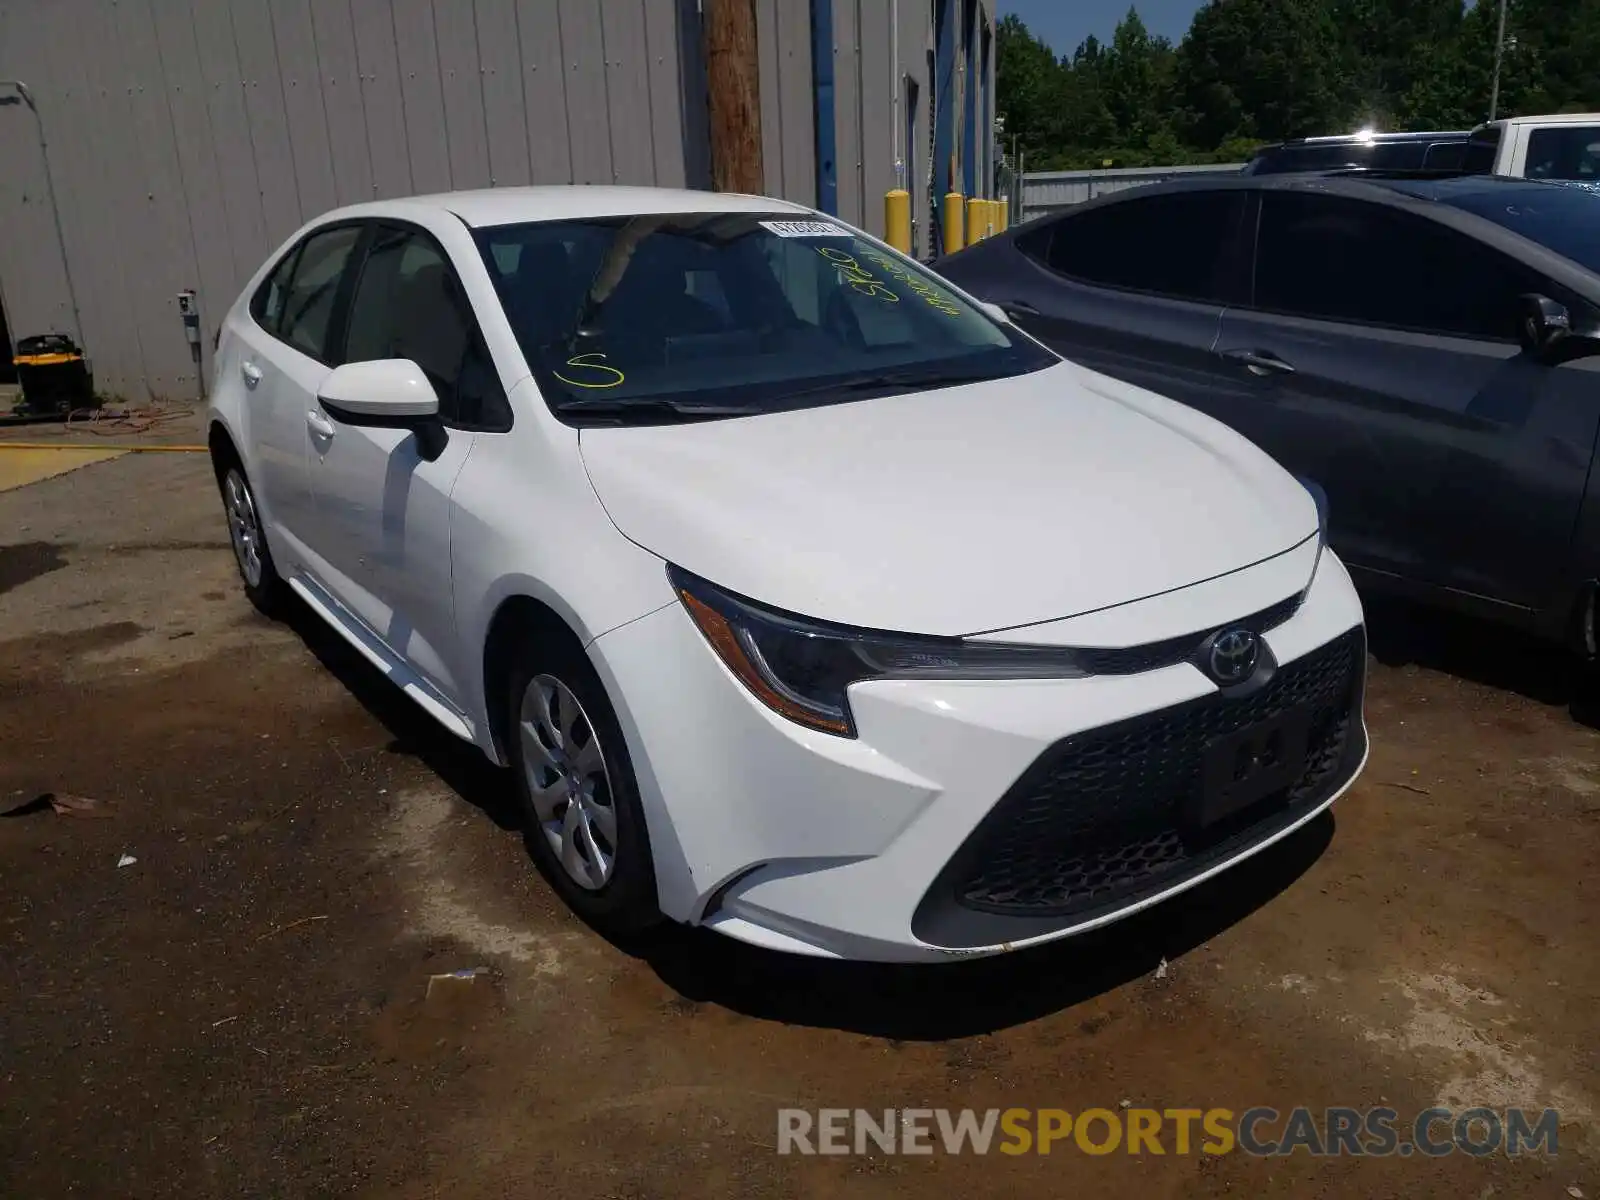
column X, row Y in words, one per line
column 262, row 584
column 623, row 904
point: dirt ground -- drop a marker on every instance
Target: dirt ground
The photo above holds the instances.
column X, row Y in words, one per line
column 244, row 1009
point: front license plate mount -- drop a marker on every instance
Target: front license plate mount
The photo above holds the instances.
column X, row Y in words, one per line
column 1249, row 765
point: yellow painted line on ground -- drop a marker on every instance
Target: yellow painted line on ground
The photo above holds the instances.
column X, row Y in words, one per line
column 120, row 449
column 30, row 466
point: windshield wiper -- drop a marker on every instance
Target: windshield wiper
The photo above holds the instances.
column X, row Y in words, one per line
column 657, row 409
column 909, row 380
column 650, row 408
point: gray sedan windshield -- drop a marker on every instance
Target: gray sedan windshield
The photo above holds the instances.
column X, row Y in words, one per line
column 1562, row 217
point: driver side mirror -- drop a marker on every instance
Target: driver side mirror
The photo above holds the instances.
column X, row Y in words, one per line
column 1541, row 323
column 1544, row 327
column 386, row 393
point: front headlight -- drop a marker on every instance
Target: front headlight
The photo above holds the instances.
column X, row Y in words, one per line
column 802, row 668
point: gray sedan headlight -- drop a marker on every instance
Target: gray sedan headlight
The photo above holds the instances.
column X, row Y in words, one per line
column 802, row 668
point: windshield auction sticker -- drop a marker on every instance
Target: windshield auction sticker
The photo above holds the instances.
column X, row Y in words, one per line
column 803, row 229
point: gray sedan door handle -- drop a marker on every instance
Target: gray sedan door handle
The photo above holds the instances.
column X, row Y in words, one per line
column 251, row 373
column 320, row 425
column 1259, row 362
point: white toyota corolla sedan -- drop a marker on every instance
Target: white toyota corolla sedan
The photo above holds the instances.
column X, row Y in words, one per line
column 806, row 598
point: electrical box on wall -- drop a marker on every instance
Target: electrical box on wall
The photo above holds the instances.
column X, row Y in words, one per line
column 189, row 311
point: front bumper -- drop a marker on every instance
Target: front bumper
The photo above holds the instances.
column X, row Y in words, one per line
column 968, row 817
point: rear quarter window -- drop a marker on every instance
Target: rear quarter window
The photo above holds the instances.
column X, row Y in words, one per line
column 266, row 306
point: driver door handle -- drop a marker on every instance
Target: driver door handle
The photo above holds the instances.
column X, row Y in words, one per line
column 1020, row 308
column 320, row 425
column 1259, row 362
column 251, row 373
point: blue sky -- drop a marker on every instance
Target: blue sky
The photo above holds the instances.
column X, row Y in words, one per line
column 1065, row 23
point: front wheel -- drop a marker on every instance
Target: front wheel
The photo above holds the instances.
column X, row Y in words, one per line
column 580, row 801
column 250, row 554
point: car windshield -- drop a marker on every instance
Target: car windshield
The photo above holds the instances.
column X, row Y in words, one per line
column 653, row 318
column 1561, row 217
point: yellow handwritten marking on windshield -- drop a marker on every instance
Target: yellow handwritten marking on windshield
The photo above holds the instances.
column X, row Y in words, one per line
column 920, row 286
column 856, row 275
column 579, row 362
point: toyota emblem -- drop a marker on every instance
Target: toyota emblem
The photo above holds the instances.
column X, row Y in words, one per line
column 1233, row 655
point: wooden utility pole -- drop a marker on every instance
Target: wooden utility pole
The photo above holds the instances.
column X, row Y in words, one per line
column 733, row 86
column 1499, row 53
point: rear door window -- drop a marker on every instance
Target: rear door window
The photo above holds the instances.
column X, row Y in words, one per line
column 1445, row 156
column 1396, row 156
column 1338, row 259
column 1179, row 244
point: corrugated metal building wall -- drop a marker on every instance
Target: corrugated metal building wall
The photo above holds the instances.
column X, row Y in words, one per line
column 188, row 138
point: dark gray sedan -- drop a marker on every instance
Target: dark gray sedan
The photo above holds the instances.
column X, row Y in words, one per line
column 1427, row 350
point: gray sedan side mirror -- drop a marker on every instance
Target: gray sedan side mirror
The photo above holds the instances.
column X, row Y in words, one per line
column 1544, row 327
column 1541, row 323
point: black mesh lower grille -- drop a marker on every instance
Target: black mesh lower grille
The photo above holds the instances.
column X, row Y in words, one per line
column 1104, row 816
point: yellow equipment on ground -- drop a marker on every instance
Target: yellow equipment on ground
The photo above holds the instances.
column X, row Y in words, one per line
column 54, row 374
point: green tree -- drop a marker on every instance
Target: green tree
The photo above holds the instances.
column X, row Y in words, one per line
column 1135, row 76
column 1028, row 88
column 1389, row 47
column 1267, row 69
column 1249, row 71
column 1556, row 48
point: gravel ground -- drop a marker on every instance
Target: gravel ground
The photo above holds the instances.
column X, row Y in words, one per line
column 245, row 1009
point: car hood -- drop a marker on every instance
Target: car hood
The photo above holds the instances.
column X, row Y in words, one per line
column 961, row 510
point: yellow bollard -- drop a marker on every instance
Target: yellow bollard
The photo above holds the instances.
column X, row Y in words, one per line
column 952, row 222
column 897, row 219
column 974, row 221
column 1005, row 213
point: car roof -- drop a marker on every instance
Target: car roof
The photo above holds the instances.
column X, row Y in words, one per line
column 1451, row 199
column 1588, row 118
column 1290, row 180
column 569, row 202
column 1453, row 188
column 1362, row 139
column 1399, row 189
column 1377, row 185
